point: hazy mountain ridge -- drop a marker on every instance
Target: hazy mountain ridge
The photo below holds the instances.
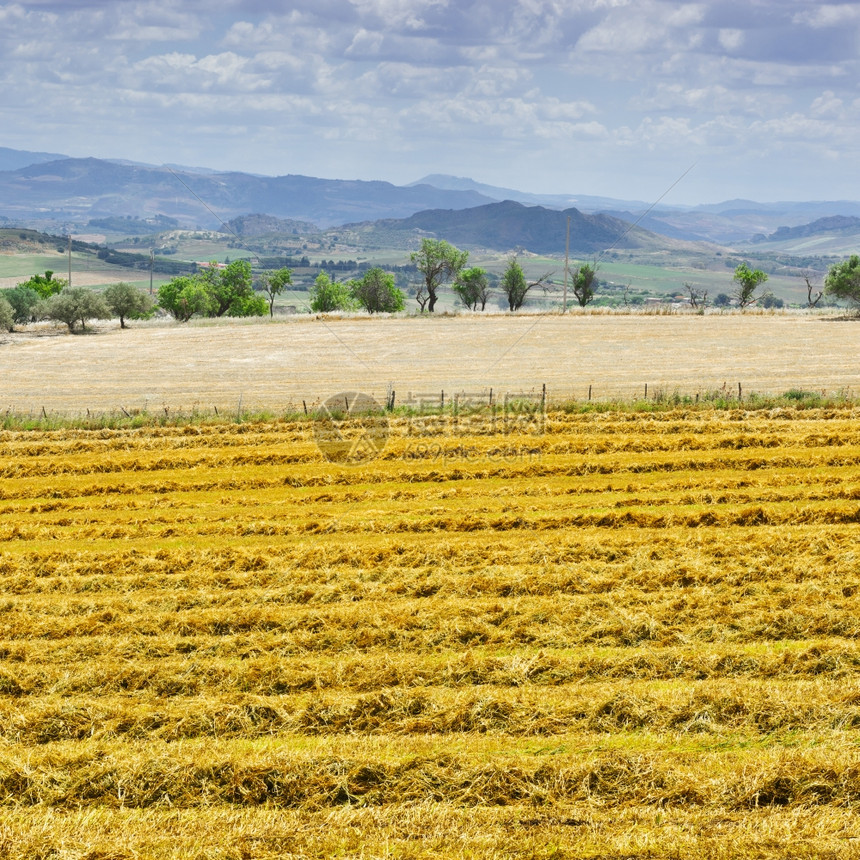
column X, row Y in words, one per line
column 84, row 188
column 510, row 225
column 78, row 190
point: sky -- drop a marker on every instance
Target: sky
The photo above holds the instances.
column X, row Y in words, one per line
column 616, row 98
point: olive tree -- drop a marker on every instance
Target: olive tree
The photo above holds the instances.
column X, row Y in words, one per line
column 843, row 280
column 438, row 261
column 23, row 300
column 7, row 315
column 128, row 302
column 75, row 305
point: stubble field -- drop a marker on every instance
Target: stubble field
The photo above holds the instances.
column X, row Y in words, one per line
column 594, row 635
column 283, row 363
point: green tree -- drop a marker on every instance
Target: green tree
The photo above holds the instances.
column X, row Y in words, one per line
column 185, row 296
column 231, row 290
column 45, row 285
column 843, row 280
column 438, row 261
column 514, row 285
column 7, row 315
column 377, row 293
column 23, row 301
column 128, row 302
column 328, row 295
column 273, row 284
column 472, row 287
column 584, row 284
column 747, row 281
column 75, row 305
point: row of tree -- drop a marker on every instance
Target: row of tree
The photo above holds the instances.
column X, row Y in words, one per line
column 47, row 297
column 229, row 290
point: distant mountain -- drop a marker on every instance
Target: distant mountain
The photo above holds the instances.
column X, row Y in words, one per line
column 835, row 235
column 14, row 159
column 79, row 189
column 510, row 225
column 834, row 224
column 583, row 202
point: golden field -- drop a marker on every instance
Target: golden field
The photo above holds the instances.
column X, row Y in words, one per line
column 615, row 634
column 275, row 365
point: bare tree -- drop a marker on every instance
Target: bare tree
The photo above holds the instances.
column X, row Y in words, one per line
column 812, row 286
column 698, row 297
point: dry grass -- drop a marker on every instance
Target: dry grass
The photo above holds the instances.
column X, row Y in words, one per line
column 279, row 364
column 632, row 635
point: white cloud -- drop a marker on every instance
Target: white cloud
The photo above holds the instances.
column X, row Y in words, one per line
column 731, row 39
column 823, row 15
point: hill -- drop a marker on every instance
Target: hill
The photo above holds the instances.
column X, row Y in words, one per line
column 831, row 235
column 14, row 159
column 80, row 189
column 508, row 225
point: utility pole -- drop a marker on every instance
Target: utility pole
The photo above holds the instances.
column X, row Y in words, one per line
column 566, row 264
column 151, row 263
column 70, row 259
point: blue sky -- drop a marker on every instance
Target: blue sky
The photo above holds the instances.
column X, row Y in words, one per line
column 603, row 97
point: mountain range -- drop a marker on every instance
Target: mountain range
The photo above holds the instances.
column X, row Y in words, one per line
column 51, row 189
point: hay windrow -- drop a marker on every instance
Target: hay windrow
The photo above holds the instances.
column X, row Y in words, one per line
column 627, row 635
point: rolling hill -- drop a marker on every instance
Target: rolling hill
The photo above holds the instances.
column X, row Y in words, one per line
column 510, row 225
column 80, row 189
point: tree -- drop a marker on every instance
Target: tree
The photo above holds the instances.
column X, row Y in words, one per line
column 127, row 301
column 231, row 290
column 45, row 285
column 7, row 315
column 723, row 300
column 74, row 305
column 438, row 261
column 513, row 284
column 328, row 295
column 698, row 297
column 377, row 293
column 747, row 281
column 583, row 284
column 185, row 296
column 23, row 301
column 273, row 284
column 472, row 287
column 843, row 280
column 812, row 281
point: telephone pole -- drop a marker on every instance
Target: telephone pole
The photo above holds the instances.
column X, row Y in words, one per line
column 70, row 259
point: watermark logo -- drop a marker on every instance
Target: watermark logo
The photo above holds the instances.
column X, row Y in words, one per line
column 352, row 429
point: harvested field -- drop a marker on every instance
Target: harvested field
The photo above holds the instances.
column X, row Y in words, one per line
column 609, row 635
column 280, row 364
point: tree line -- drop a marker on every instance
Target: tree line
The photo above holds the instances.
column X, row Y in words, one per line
column 219, row 290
